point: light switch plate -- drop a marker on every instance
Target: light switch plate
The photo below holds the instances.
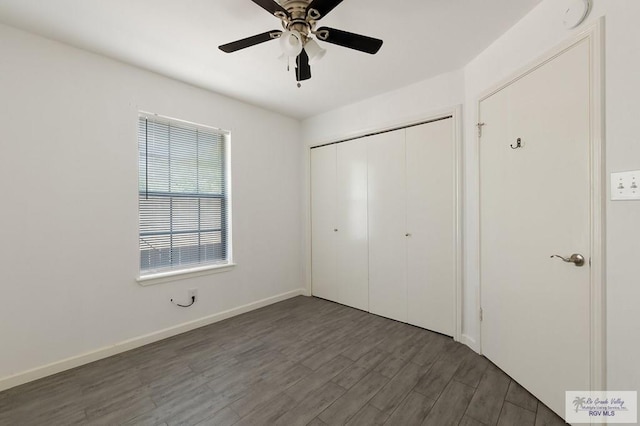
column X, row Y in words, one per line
column 625, row 185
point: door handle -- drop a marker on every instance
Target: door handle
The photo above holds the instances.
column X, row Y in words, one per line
column 575, row 258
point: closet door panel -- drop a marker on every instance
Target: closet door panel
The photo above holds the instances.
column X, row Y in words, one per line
column 387, row 216
column 431, row 249
column 352, row 261
column 323, row 223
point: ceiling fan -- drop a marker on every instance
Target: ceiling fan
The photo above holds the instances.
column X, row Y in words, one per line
column 299, row 19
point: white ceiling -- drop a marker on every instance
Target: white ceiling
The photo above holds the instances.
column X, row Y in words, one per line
column 179, row 38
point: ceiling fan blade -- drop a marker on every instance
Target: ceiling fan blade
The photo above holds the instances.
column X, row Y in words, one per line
column 273, row 8
column 319, row 8
column 352, row 41
column 250, row 41
column 303, row 70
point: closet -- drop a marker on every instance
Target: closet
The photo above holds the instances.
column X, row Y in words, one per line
column 384, row 224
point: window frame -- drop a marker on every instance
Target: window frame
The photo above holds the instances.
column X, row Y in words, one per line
column 198, row 269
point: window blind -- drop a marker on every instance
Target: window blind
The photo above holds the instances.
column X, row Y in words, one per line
column 182, row 195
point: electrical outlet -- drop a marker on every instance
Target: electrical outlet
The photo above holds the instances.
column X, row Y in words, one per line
column 625, row 185
column 193, row 292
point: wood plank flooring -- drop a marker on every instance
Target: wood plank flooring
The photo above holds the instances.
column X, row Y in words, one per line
column 304, row 361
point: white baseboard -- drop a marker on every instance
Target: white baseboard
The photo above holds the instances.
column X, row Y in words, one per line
column 471, row 342
column 136, row 342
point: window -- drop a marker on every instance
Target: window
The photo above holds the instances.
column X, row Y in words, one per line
column 183, row 195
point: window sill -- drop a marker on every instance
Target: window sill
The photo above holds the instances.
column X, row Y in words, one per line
column 164, row 277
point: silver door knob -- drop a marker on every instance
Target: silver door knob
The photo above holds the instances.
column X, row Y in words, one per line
column 335, row 230
column 576, row 258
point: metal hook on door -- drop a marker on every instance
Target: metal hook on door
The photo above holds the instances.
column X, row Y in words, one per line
column 518, row 144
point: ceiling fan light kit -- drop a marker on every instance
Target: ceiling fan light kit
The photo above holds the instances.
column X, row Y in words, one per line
column 291, row 43
column 299, row 19
column 314, row 51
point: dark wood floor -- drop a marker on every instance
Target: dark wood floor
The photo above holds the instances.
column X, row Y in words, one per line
column 303, row 361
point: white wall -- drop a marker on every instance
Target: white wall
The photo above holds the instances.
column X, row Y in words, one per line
column 414, row 102
column 537, row 33
column 68, row 167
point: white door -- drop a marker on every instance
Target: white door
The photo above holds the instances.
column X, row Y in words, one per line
column 535, row 203
column 387, row 225
column 352, row 262
column 431, row 223
column 323, row 223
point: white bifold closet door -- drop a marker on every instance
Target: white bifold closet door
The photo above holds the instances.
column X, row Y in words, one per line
column 431, row 223
column 339, row 223
column 323, row 222
column 387, row 225
column 412, row 225
column 352, row 246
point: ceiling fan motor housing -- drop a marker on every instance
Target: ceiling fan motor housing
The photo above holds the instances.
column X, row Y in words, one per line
column 300, row 20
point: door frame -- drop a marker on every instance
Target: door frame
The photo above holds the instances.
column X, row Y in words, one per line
column 455, row 112
column 594, row 34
